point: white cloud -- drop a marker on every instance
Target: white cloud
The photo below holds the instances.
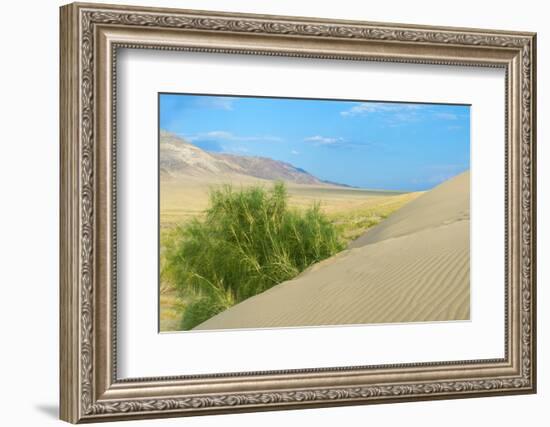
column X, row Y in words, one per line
column 323, row 140
column 446, row 116
column 365, row 108
column 217, row 102
column 228, row 136
column 294, row 152
column 216, row 134
column 339, row 142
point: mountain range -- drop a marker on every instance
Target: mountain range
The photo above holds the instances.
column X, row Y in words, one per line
column 179, row 158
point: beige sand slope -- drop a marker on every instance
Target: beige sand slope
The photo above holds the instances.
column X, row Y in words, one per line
column 415, row 266
column 447, row 203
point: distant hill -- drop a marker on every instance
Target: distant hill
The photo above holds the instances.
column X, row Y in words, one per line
column 179, row 158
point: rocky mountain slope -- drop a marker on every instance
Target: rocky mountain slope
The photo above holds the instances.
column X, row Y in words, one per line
column 179, row 158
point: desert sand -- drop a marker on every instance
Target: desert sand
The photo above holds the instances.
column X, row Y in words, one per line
column 412, row 267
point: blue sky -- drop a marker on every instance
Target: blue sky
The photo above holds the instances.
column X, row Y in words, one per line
column 376, row 145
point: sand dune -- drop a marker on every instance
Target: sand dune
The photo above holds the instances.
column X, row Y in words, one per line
column 415, row 266
column 448, row 202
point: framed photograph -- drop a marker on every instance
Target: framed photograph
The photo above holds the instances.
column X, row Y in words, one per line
column 266, row 212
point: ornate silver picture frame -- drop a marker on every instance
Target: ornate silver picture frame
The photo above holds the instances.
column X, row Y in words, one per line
column 91, row 37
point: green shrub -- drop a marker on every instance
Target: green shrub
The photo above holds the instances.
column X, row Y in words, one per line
column 248, row 241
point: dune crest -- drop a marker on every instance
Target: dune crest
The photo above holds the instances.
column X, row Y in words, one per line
column 447, row 203
column 413, row 267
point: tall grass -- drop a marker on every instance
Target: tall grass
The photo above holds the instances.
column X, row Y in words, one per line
column 248, row 241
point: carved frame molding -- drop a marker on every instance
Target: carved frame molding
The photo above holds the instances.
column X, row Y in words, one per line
column 90, row 37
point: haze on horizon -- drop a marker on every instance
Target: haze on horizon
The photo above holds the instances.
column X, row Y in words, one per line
column 374, row 145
